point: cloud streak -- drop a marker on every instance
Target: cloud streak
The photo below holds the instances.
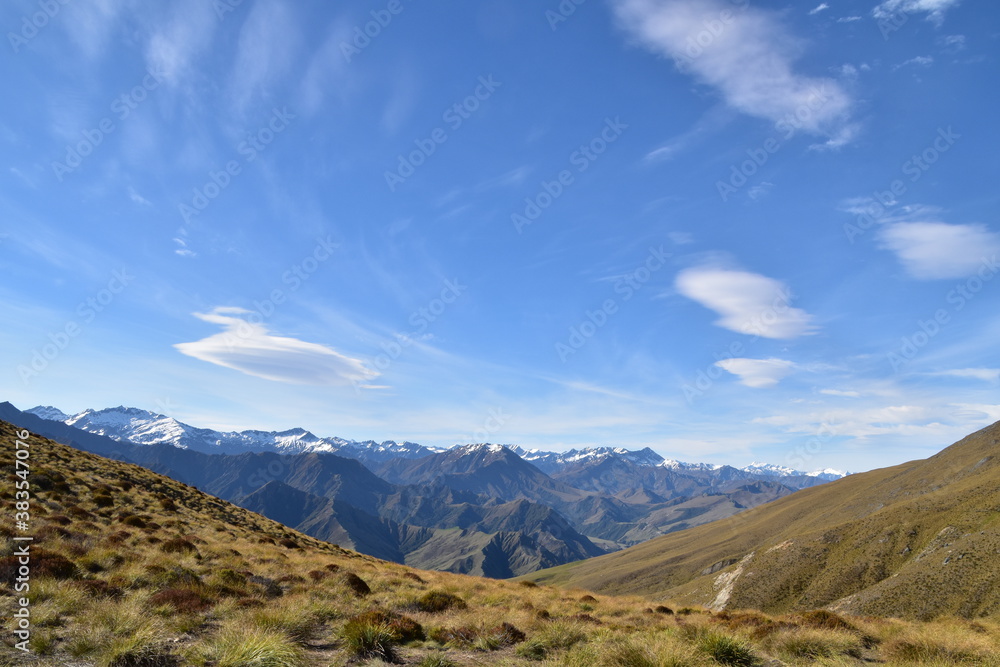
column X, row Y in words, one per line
column 742, row 52
column 757, row 373
column 984, row 374
column 938, row 250
column 264, row 53
column 748, row 303
column 934, row 9
column 251, row 349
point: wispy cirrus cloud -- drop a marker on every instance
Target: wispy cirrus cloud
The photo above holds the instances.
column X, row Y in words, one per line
column 934, row 9
column 251, row 349
column 748, row 303
column 840, row 392
column 984, row 374
column 757, row 373
column 264, row 53
column 937, row 250
column 749, row 59
column 91, row 24
column 176, row 42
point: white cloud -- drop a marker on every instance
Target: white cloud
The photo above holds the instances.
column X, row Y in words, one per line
column 177, row 42
column 710, row 121
column 748, row 59
column 984, row 413
column 326, row 73
column 138, row 198
column 264, row 53
column 757, row 373
column 760, row 190
column 251, row 349
column 985, row 374
column 848, row 19
column 839, row 392
column 952, row 44
column 920, row 61
column 935, row 9
column 936, row 250
column 748, row 303
column 90, row 24
column 819, row 8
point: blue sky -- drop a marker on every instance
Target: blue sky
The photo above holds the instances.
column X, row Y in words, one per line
column 724, row 230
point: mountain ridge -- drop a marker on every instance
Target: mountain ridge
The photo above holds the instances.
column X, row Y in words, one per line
column 146, row 427
column 916, row 540
column 401, row 508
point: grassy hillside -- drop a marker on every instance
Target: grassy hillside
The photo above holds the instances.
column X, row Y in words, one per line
column 916, row 540
column 132, row 569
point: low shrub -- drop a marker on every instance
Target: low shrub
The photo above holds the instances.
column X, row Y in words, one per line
column 178, row 545
column 356, row 584
column 433, row 602
column 183, row 600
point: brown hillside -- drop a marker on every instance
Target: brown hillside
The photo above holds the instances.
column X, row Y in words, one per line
column 916, row 540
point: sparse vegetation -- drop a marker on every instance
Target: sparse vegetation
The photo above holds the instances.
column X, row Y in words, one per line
column 175, row 590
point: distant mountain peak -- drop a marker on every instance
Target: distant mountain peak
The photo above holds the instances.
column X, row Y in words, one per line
column 48, row 412
column 145, row 427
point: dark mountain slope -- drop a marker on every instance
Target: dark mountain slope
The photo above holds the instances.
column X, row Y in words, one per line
column 339, row 500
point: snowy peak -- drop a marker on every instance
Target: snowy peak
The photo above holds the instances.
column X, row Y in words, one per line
column 772, row 470
column 49, row 412
column 483, row 450
column 674, row 464
column 143, row 427
column 149, row 428
column 642, row 457
column 827, row 474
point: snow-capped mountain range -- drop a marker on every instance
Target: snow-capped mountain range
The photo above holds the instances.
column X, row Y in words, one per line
column 148, row 428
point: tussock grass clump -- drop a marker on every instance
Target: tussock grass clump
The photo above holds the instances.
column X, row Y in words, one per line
column 437, row 660
column 727, row 650
column 237, row 646
column 403, row 628
column 292, row 617
column 365, row 639
column 144, row 647
column 560, row 636
column 178, row 545
column 480, row 639
column 944, row 643
column 433, row 602
column 462, row 637
column 821, row 618
column 532, row 649
column 813, row 643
